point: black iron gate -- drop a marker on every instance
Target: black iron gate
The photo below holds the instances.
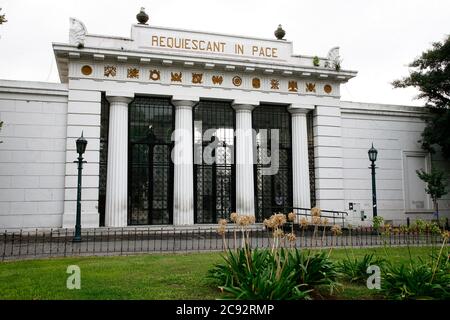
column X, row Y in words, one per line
column 150, row 184
column 272, row 192
column 214, row 182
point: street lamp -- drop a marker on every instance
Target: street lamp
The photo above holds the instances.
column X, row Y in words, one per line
column 373, row 157
column 81, row 148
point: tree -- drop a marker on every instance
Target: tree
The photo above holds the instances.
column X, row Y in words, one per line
column 430, row 74
column 2, row 18
column 436, row 185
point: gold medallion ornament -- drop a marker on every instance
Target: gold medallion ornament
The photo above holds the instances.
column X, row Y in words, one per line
column 155, row 75
column 327, row 88
column 133, row 73
column 256, row 83
column 217, row 80
column 197, row 78
column 86, row 70
column 176, row 76
column 110, row 71
column 237, row 81
column 310, row 87
column 292, row 86
column 274, row 84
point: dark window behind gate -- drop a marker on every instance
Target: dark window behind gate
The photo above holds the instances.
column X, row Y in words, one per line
column 104, row 125
column 273, row 193
column 150, row 174
column 214, row 183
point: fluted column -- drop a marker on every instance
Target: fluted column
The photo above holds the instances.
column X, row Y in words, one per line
column 245, row 193
column 300, row 162
column 182, row 157
column 117, row 172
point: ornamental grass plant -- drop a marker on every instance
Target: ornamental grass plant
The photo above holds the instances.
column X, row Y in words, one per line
column 275, row 273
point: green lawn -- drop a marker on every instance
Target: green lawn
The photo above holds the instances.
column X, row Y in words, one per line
column 162, row 276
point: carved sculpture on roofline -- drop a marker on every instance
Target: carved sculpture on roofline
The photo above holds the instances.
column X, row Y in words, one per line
column 333, row 59
column 77, row 33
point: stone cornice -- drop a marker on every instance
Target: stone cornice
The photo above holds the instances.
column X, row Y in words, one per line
column 381, row 109
column 32, row 87
column 64, row 52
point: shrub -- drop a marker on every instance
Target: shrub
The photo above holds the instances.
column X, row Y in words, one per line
column 278, row 273
column 274, row 274
column 419, row 280
column 415, row 281
column 314, row 269
column 355, row 270
column 259, row 275
column 377, row 222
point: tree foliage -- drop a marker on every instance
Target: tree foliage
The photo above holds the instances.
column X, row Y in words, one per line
column 2, row 18
column 430, row 74
column 436, row 183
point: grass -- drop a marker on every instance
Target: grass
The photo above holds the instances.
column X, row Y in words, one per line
column 162, row 276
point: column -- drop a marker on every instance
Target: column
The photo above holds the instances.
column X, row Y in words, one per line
column 300, row 162
column 245, row 193
column 116, row 208
column 182, row 157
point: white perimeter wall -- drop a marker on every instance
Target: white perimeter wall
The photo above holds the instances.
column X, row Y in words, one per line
column 33, row 154
column 43, row 120
column 393, row 130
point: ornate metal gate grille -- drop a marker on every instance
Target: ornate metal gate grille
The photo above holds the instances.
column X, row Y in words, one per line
column 214, row 183
column 312, row 173
column 272, row 192
column 150, row 175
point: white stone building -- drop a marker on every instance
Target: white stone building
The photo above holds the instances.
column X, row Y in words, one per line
column 113, row 89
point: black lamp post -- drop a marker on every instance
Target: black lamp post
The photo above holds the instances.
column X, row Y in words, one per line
column 373, row 157
column 81, row 148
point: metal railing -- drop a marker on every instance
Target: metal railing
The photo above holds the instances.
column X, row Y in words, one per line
column 333, row 216
column 126, row 241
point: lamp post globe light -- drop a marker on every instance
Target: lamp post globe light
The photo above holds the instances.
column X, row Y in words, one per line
column 81, row 148
column 373, row 153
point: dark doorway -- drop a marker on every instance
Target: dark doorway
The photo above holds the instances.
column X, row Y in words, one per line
column 273, row 193
column 214, row 184
column 150, row 184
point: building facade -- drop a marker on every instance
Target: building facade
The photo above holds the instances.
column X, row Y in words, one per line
column 156, row 107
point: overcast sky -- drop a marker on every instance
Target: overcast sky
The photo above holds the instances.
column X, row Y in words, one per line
column 377, row 38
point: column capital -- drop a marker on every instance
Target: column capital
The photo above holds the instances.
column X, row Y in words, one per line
column 300, row 109
column 185, row 101
column 119, row 96
column 244, row 105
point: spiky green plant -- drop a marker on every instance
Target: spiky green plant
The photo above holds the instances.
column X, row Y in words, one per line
column 355, row 270
column 258, row 275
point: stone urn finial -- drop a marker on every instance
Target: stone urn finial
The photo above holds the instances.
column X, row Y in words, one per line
column 280, row 33
column 142, row 17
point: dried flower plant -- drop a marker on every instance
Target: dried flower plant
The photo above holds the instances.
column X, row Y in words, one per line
column 336, row 230
column 291, row 216
column 291, row 237
column 315, row 212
